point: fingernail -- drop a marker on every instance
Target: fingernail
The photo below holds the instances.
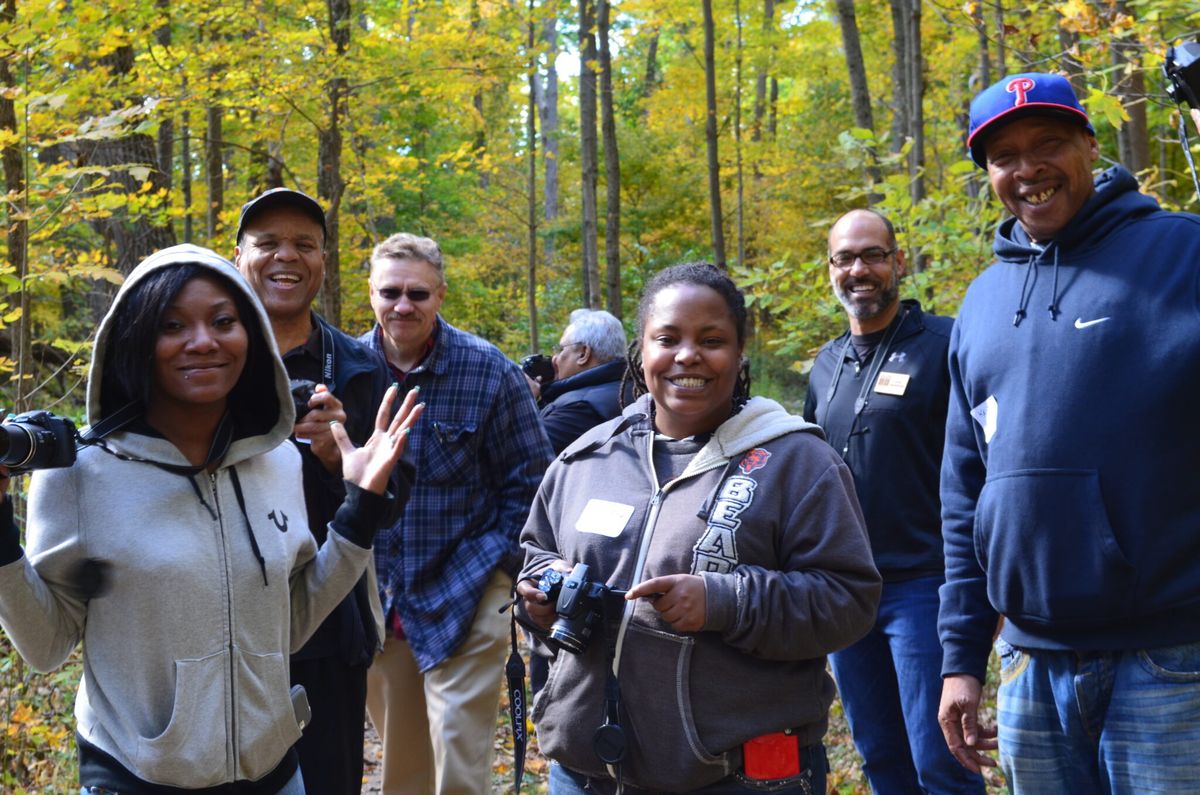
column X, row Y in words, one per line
column 395, row 385
column 421, row 405
column 406, row 431
column 417, row 388
column 333, row 422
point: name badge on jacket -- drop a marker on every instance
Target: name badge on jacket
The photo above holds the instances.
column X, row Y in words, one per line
column 892, row 383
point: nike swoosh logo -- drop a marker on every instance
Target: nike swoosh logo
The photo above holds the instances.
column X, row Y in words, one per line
column 1081, row 323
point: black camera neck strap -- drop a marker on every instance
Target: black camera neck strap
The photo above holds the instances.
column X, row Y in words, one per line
column 514, row 674
column 608, row 741
column 327, row 358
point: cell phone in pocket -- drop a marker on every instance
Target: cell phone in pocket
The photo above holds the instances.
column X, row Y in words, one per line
column 300, row 706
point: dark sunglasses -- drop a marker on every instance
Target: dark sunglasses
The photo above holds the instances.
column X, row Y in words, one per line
column 416, row 296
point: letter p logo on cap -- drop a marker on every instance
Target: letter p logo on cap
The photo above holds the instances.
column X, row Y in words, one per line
column 1021, row 86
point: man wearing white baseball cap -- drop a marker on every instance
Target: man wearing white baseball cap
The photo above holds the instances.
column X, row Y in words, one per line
column 1069, row 499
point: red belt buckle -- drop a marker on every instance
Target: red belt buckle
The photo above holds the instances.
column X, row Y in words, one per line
column 771, row 756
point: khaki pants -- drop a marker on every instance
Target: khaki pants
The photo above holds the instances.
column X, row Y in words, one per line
column 438, row 728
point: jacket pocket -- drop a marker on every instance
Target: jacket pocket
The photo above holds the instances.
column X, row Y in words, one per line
column 664, row 748
column 451, row 457
column 266, row 722
column 190, row 750
column 1050, row 553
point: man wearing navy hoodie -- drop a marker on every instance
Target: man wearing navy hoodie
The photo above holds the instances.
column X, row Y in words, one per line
column 1069, row 498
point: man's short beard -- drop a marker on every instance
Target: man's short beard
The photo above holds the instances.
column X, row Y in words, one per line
column 886, row 297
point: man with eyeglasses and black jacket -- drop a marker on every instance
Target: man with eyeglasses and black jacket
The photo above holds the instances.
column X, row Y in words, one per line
column 880, row 392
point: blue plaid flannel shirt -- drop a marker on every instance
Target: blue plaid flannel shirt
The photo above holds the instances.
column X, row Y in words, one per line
column 479, row 451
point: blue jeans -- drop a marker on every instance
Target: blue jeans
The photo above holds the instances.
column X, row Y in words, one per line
column 1099, row 721
column 890, row 683
column 810, row 782
column 295, row 786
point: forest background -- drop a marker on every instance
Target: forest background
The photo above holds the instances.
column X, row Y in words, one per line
column 560, row 152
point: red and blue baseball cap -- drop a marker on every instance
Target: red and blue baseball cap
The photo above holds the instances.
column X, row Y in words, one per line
column 1018, row 96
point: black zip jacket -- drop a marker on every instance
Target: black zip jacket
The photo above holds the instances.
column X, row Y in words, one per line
column 894, row 447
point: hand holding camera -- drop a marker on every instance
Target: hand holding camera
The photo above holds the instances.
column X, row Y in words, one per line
column 316, row 407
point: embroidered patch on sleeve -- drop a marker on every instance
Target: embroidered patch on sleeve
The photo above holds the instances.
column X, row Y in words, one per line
column 754, row 459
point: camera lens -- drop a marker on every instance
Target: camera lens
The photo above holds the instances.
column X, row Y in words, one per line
column 563, row 634
column 17, row 445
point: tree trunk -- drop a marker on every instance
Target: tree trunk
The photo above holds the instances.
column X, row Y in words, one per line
column 132, row 239
column 588, row 153
column 650, row 81
column 737, row 137
column 330, row 184
column 1001, row 45
column 900, row 55
column 531, row 189
column 214, row 170
column 166, row 128
column 916, row 99
column 185, row 170
column 612, row 168
column 860, row 95
column 485, row 179
column 710, row 136
column 1133, row 136
column 548, row 110
column 985, row 59
column 760, row 79
column 13, row 158
column 773, row 113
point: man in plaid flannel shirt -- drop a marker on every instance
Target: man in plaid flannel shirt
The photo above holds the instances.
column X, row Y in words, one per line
column 447, row 567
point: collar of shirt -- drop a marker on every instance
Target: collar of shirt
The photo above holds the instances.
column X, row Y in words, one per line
column 397, row 374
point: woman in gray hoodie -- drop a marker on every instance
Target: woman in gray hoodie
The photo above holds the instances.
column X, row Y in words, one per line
column 733, row 530
column 176, row 546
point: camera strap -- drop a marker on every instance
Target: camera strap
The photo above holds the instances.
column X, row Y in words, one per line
column 514, row 674
column 608, row 741
column 1187, row 152
column 327, row 358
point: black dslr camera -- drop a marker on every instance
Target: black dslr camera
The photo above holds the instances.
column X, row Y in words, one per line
column 36, row 440
column 582, row 606
column 1182, row 70
column 539, row 367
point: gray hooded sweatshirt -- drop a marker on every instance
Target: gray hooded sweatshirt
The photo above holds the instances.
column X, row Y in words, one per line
column 766, row 513
column 185, row 649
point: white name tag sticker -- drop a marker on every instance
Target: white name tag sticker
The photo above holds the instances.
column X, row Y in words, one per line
column 891, row 383
column 604, row 517
column 986, row 415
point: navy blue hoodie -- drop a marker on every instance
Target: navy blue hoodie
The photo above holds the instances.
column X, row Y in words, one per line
column 1070, row 499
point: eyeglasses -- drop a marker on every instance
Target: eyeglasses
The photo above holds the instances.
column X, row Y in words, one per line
column 560, row 347
column 870, row 257
column 415, row 295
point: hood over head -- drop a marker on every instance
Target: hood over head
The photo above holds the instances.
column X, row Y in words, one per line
column 260, row 402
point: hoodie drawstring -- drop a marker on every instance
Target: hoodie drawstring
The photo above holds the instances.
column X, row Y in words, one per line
column 237, row 490
column 1027, row 290
column 1054, row 312
column 1026, row 293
